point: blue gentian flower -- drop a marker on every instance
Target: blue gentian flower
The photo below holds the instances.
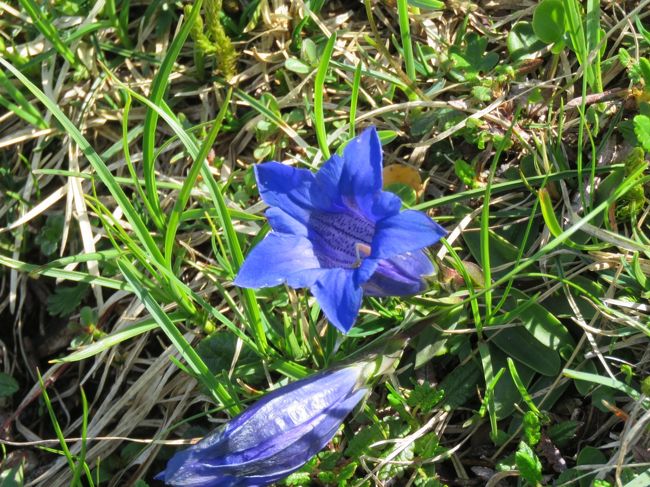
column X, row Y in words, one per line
column 337, row 233
column 274, row 437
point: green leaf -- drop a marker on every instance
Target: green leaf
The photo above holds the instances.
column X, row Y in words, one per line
column 528, row 464
column 537, row 320
column 465, row 172
column 459, row 386
column 519, row 344
column 531, row 428
column 8, row 385
column 297, row 66
column 482, row 93
column 309, row 51
column 347, row 472
column 66, row 299
column 298, row 478
column 644, row 68
column 522, row 41
column 472, row 60
column 360, row 443
column 405, row 192
column 12, row 477
column 218, row 350
column 562, row 433
column 549, row 21
column 642, row 131
column 427, row 4
column 386, row 136
column 590, row 456
column 49, row 236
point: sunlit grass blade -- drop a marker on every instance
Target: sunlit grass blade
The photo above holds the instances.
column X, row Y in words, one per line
column 521, row 387
column 354, row 99
column 73, row 276
column 251, row 305
column 22, row 107
column 507, row 186
column 118, row 337
column 190, row 180
column 607, row 382
column 566, row 234
column 50, row 32
column 81, row 461
column 319, row 91
column 158, row 88
column 62, row 441
column 405, row 34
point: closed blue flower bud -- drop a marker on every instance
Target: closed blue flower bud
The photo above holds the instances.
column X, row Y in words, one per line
column 275, row 436
column 339, row 234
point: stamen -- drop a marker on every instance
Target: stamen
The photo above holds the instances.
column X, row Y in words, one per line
column 360, row 248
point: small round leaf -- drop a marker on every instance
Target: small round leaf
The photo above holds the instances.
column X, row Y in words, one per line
column 548, row 21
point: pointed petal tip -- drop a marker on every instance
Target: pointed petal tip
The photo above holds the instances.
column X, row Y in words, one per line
column 338, row 297
column 404, row 232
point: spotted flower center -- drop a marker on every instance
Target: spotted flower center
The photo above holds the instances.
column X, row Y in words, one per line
column 340, row 239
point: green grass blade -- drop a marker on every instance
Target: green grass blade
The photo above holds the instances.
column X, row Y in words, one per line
column 81, row 461
column 271, row 116
column 319, row 90
column 127, row 158
column 22, row 107
column 354, row 99
column 116, row 338
column 55, row 423
column 250, row 300
column 520, row 386
column 604, row 381
column 50, row 32
column 593, row 36
column 158, row 87
column 405, row 33
column 184, row 194
column 73, row 276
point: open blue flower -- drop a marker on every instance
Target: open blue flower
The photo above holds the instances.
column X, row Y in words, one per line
column 274, row 437
column 337, row 233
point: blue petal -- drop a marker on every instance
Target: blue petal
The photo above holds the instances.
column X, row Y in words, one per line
column 282, row 222
column 279, row 258
column 362, row 165
column 273, row 437
column 281, row 409
column 326, row 192
column 400, row 275
column 286, row 187
column 309, row 440
column 339, row 297
column 380, row 205
column 405, row 232
column 365, row 271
